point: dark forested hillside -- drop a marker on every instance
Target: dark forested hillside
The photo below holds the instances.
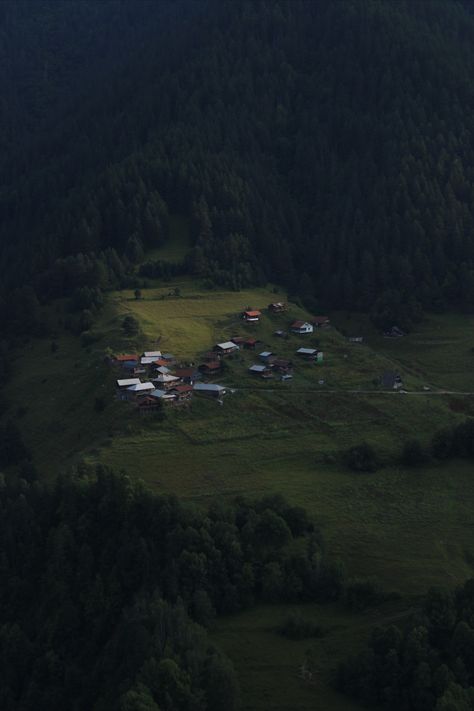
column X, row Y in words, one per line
column 103, row 585
column 328, row 145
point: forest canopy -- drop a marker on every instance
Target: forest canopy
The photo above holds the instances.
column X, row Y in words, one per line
column 326, row 145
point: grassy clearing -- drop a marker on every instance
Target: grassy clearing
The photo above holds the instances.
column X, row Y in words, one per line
column 269, row 665
column 177, row 247
column 438, row 351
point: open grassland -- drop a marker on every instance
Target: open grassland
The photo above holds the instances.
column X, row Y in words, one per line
column 410, row 528
column 438, row 351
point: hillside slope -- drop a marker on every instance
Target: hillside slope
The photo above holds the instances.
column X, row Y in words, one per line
column 327, row 144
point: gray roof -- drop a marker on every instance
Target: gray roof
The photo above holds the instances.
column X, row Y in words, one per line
column 307, row 351
column 167, row 356
column 163, row 369
column 208, row 387
column 257, row 368
column 265, row 354
column 141, row 386
column 228, row 344
column 162, row 394
column 152, row 354
column 127, row 382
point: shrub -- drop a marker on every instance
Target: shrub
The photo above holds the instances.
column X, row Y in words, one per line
column 361, row 458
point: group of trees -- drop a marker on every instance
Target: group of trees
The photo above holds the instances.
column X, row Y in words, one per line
column 326, row 145
column 103, row 584
column 427, row 665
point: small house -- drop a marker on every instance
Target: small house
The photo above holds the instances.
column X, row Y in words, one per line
column 148, row 405
column 183, row 392
column 261, row 370
column 391, row 380
column 152, row 354
column 277, row 308
column 239, row 340
column 209, row 389
column 226, row 348
column 166, row 380
column 127, row 382
column 139, row 390
column 283, row 366
column 169, row 358
column 148, row 360
column 265, row 356
column 187, row 375
column 250, row 344
column 394, row 332
column 307, row 353
column 164, row 396
column 320, row 321
column 301, row 327
column 126, row 358
column 210, row 368
column 251, row 316
column 163, row 370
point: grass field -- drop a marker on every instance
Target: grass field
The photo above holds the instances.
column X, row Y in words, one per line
column 410, row 528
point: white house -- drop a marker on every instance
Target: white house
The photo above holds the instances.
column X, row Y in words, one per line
column 301, row 327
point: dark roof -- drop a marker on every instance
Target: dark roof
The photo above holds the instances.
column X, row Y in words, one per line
column 389, row 378
column 214, row 365
column 185, row 372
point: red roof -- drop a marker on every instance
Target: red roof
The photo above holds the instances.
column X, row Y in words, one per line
column 298, row 324
column 215, row 365
column 253, row 314
column 161, row 362
column 320, row 319
column 183, row 388
column 251, row 341
column 125, row 358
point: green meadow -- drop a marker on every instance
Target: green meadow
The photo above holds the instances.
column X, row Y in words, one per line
column 411, row 528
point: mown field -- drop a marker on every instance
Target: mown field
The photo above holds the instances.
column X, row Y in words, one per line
column 411, row 528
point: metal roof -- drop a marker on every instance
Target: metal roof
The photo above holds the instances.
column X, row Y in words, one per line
column 227, row 344
column 127, row 382
column 147, row 360
column 265, row 354
column 141, row 386
column 258, row 368
column 307, row 351
column 162, row 394
column 163, row 369
column 152, row 354
column 209, row 387
column 166, row 378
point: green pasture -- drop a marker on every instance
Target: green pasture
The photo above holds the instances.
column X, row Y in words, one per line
column 411, row 528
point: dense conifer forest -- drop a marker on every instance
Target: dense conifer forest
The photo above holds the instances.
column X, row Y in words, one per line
column 328, row 146
column 106, row 589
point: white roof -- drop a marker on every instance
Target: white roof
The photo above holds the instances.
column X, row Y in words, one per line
column 228, row 344
column 165, row 378
column 163, row 394
column 146, row 360
column 307, row 351
column 265, row 354
column 141, row 386
column 210, row 387
column 127, row 382
column 258, row 368
column 152, row 354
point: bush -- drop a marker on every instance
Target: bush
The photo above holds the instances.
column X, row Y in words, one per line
column 296, row 627
column 361, row 458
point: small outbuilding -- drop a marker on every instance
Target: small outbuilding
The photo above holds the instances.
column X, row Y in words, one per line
column 277, row 307
column 307, row 353
column 210, row 368
column 391, row 380
column 251, row 316
column 226, row 347
column 320, row 321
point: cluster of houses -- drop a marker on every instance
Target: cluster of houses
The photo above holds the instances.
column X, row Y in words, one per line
column 154, row 379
